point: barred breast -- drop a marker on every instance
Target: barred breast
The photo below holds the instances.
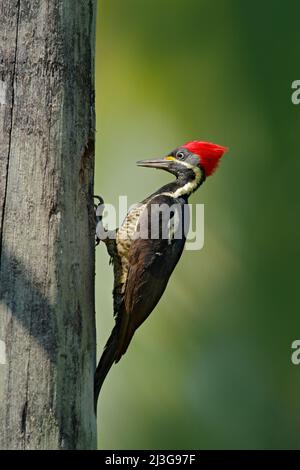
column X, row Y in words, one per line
column 125, row 237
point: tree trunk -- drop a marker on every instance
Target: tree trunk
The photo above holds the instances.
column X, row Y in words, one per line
column 47, row 318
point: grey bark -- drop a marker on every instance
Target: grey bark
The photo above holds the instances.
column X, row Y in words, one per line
column 47, row 318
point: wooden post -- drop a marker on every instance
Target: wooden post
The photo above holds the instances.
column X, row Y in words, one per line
column 47, row 318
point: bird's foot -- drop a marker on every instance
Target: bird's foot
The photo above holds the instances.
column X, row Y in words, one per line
column 98, row 209
column 102, row 233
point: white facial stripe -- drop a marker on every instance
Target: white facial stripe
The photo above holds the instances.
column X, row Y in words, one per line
column 189, row 187
column 186, row 164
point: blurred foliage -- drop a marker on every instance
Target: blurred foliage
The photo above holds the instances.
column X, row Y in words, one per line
column 211, row 366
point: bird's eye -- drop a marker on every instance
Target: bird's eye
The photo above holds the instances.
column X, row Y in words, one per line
column 180, row 155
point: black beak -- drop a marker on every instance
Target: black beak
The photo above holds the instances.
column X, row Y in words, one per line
column 161, row 163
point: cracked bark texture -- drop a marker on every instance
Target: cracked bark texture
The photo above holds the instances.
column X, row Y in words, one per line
column 47, row 320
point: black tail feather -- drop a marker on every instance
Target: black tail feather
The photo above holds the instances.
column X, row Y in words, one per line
column 106, row 361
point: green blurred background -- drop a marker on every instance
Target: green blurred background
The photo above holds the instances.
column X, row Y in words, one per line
column 211, row 366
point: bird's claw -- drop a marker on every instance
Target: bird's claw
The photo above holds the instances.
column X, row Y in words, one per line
column 100, row 199
column 98, row 209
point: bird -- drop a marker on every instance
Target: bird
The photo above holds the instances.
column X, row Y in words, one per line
column 145, row 249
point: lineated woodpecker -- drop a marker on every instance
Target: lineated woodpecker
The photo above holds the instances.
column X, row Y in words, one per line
column 143, row 264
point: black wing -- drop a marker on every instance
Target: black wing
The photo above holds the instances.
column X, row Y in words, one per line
column 152, row 259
